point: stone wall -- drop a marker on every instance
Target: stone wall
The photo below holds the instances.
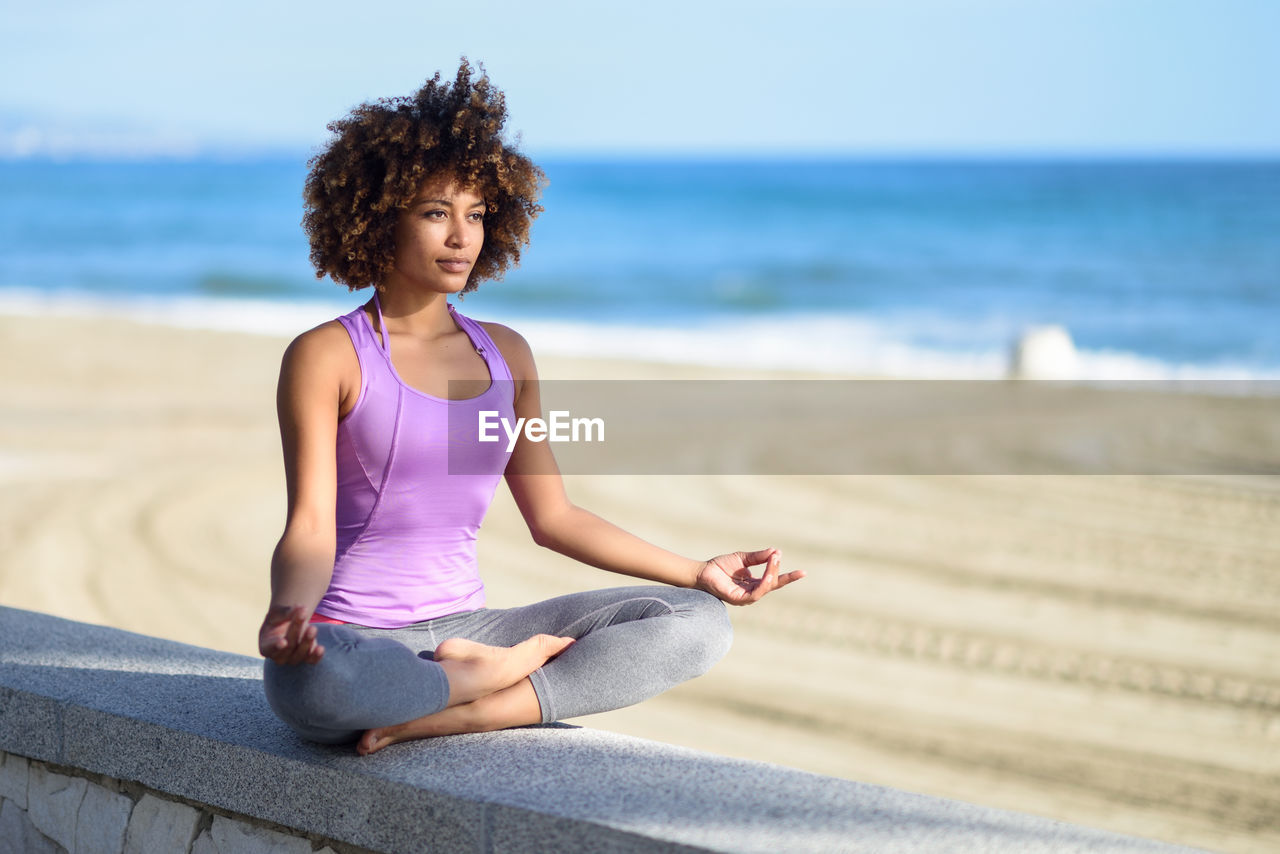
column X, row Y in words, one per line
column 46, row 811
column 119, row 742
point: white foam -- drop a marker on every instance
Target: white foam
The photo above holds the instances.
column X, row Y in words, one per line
column 843, row 343
column 259, row 317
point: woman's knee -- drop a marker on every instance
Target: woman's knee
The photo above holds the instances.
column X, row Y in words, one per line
column 360, row 682
column 313, row 698
column 291, row 693
column 712, row 633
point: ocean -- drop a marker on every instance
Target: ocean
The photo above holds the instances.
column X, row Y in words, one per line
column 915, row 268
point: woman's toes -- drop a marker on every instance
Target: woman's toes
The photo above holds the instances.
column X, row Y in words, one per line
column 541, row 647
column 371, row 742
column 529, row 655
column 552, row 645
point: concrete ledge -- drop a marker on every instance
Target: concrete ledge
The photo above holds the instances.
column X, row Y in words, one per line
column 193, row 723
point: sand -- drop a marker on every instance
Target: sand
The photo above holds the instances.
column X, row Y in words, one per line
column 1099, row 649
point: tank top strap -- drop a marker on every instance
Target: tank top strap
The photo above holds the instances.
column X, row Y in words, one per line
column 363, row 338
column 385, row 344
column 488, row 350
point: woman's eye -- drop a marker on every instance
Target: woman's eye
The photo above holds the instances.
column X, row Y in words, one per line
column 477, row 217
column 434, row 214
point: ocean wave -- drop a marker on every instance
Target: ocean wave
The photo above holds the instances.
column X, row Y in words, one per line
column 219, row 314
column 844, row 344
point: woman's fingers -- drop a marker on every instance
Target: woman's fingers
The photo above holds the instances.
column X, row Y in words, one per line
column 277, row 650
column 300, row 634
column 296, row 624
column 288, row 637
column 317, row 652
column 788, row 577
column 770, row 578
column 269, row 642
column 734, row 582
column 756, row 557
column 773, row 578
column 314, row 650
column 303, row 642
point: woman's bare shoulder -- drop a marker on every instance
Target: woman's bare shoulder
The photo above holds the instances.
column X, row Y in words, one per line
column 324, row 350
column 324, row 341
column 514, row 348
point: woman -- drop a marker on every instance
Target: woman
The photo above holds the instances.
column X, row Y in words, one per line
column 377, row 630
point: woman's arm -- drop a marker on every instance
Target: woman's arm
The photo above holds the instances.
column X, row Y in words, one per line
column 562, row 526
column 308, row 400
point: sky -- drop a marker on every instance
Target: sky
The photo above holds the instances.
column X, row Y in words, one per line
column 896, row 77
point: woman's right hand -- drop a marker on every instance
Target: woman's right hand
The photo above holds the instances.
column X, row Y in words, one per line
column 286, row 636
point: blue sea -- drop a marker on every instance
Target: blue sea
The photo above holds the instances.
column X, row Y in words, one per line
column 1157, row 268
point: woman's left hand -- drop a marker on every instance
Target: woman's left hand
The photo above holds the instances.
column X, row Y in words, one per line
column 728, row 577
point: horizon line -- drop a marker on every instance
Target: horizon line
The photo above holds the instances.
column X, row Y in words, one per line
column 301, row 154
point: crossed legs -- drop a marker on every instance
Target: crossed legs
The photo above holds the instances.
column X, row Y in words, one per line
column 382, row 686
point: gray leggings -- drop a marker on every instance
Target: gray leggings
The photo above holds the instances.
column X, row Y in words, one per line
column 632, row 643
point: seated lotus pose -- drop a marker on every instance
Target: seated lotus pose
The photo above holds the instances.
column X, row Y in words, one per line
column 377, row 630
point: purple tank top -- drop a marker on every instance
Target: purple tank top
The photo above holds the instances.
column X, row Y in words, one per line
column 406, row 526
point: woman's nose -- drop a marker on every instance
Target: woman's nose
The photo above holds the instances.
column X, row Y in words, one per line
column 459, row 235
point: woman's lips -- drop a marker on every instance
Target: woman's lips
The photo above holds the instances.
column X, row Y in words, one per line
column 455, row 265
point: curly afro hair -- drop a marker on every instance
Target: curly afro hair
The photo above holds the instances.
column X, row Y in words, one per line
column 382, row 154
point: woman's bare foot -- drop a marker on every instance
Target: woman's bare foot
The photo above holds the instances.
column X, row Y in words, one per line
column 478, row 673
column 476, row 670
column 514, row 706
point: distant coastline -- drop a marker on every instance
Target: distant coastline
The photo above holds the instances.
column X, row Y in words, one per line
column 1159, row 268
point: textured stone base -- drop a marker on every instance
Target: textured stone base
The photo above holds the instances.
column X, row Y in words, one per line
column 43, row 810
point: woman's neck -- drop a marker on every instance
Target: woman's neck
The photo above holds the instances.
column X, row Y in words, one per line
column 424, row 316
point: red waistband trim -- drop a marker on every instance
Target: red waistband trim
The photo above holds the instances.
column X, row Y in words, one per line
column 321, row 618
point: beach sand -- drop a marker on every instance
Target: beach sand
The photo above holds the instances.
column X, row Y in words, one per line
column 1100, row 649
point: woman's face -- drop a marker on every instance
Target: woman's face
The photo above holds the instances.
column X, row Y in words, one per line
column 438, row 238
